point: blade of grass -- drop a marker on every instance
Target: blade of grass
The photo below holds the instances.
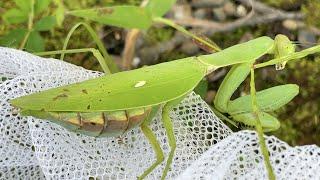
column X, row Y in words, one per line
column 95, row 53
column 30, row 25
column 108, row 61
column 184, row 31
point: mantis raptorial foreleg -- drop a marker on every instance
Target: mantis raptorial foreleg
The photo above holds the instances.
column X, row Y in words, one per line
column 230, row 83
column 240, row 109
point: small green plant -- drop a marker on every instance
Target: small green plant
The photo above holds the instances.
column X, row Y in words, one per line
column 31, row 13
column 312, row 14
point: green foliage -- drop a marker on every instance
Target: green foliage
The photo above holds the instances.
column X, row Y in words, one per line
column 59, row 12
column 311, row 9
column 121, row 16
column 35, row 42
column 29, row 19
column 159, row 7
column 27, row 36
column 45, row 24
column 13, row 38
column 14, row 16
column 41, row 5
column 24, row 5
column 127, row 16
column 156, row 35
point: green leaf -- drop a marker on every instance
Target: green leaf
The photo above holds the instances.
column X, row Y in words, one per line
column 24, row 5
column 13, row 38
column 159, row 7
column 268, row 99
column 45, row 24
column 59, row 13
column 41, row 5
column 15, row 16
column 35, row 42
column 202, row 88
column 121, row 16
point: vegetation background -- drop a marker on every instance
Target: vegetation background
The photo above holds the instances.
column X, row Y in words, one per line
column 226, row 22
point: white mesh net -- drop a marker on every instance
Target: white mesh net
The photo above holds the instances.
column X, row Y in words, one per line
column 206, row 148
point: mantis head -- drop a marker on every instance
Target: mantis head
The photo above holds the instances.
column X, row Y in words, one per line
column 282, row 47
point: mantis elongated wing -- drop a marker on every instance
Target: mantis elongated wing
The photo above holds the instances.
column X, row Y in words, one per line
column 142, row 87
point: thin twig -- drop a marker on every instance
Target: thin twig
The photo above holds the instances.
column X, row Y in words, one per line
column 30, row 25
column 207, row 3
column 263, row 15
column 129, row 48
column 130, row 44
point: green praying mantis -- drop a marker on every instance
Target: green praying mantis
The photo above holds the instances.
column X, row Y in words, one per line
column 111, row 105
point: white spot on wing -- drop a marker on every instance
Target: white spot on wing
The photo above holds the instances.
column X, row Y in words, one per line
column 140, row 84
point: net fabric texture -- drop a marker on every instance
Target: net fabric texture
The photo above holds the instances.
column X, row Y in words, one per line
column 206, row 148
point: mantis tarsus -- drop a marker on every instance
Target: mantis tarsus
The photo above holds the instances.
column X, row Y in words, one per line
column 113, row 104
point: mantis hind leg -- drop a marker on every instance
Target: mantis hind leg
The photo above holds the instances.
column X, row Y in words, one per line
column 168, row 125
column 155, row 146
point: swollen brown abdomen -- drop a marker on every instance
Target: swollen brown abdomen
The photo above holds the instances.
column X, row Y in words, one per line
column 116, row 123
column 91, row 124
column 97, row 124
column 119, row 122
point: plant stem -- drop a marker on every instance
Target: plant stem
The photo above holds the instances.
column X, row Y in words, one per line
column 30, row 25
column 108, row 61
column 259, row 129
column 95, row 52
column 293, row 56
column 184, row 31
